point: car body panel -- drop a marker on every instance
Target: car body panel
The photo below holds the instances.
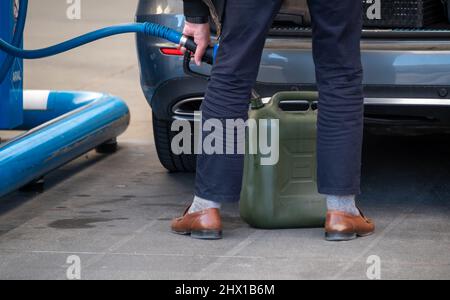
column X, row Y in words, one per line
column 287, row 62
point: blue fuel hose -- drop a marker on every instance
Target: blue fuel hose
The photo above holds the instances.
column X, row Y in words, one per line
column 147, row 28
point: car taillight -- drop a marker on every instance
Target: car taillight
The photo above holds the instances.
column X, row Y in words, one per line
column 171, row 51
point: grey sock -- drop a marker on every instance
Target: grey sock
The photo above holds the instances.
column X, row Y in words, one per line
column 343, row 203
column 200, row 204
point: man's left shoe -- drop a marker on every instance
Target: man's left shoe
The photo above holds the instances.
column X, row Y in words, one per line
column 341, row 226
column 204, row 225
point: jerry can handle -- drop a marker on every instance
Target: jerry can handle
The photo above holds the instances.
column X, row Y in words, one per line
column 308, row 96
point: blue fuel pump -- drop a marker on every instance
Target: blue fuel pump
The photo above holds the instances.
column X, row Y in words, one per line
column 11, row 71
column 62, row 125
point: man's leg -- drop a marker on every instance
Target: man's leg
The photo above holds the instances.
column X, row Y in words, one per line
column 337, row 29
column 219, row 177
column 246, row 24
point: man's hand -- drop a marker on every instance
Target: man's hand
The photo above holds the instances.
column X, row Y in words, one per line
column 202, row 37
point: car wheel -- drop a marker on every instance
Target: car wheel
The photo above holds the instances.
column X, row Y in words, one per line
column 163, row 139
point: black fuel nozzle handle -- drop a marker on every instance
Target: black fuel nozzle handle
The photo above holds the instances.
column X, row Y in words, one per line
column 189, row 44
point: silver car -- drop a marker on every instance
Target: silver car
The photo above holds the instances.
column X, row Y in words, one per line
column 407, row 73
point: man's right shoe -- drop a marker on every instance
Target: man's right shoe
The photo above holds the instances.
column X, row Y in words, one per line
column 204, row 225
column 341, row 226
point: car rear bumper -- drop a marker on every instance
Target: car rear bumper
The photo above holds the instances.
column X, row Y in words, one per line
column 383, row 104
column 404, row 79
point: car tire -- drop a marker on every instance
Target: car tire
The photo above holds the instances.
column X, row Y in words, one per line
column 163, row 139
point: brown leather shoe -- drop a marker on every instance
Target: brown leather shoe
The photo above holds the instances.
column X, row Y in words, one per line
column 341, row 226
column 205, row 224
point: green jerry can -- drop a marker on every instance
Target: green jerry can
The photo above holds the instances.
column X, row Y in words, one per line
column 283, row 194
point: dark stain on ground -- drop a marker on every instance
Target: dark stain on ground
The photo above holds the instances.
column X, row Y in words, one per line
column 80, row 223
column 83, row 196
column 105, row 211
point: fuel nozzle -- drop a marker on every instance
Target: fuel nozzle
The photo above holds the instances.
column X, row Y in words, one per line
column 190, row 45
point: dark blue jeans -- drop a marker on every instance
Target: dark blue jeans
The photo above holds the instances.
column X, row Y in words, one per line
column 336, row 49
